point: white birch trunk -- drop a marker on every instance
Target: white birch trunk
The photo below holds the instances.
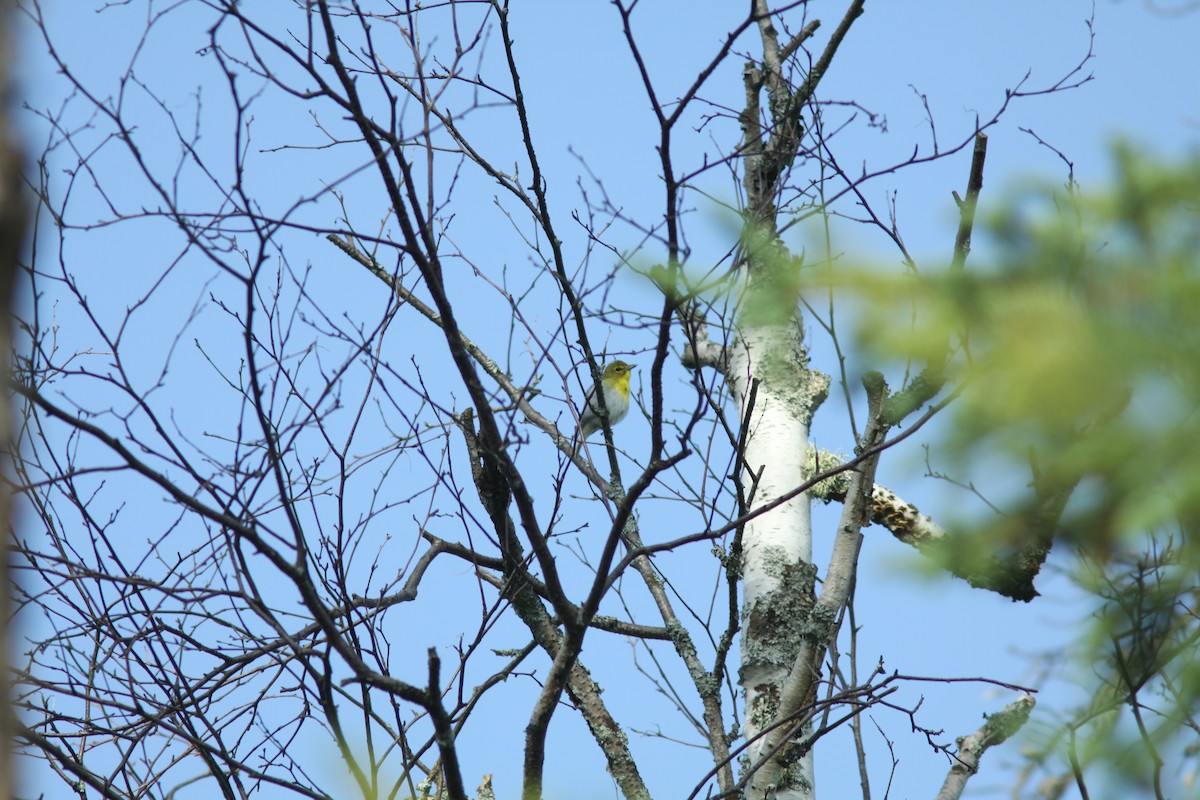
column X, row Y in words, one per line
column 777, row 545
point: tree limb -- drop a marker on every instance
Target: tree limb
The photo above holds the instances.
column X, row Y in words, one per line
column 994, row 731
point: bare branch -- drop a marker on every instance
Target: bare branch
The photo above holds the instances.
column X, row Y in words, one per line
column 998, row 728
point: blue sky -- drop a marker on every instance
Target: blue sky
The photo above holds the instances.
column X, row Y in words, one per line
column 588, row 109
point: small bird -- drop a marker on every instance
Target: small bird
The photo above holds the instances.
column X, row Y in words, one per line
column 615, row 381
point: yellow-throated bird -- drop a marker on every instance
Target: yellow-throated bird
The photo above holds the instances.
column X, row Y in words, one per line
column 615, row 381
